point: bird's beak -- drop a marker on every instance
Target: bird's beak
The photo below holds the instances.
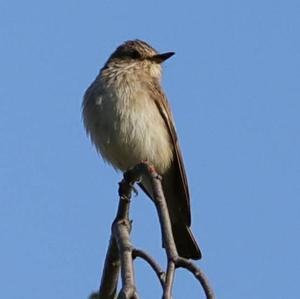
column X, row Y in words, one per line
column 159, row 58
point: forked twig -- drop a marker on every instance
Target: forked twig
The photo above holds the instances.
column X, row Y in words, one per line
column 121, row 252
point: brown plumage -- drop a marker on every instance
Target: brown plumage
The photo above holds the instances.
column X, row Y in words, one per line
column 129, row 120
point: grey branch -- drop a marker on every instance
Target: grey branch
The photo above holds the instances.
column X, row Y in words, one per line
column 121, row 253
column 153, row 264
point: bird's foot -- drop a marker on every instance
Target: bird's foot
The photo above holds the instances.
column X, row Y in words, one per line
column 149, row 165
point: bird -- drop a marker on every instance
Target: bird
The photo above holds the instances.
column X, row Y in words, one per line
column 129, row 120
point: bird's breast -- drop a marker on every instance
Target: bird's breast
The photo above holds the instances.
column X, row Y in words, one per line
column 126, row 126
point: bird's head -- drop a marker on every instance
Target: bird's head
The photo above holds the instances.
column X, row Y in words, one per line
column 141, row 56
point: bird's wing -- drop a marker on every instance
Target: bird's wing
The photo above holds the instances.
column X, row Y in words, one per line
column 165, row 111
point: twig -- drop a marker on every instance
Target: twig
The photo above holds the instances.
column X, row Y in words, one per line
column 153, row 264
column 121, row 231
column 121, row 253
column 200, row 276
column 109, row 281
column 174, row 260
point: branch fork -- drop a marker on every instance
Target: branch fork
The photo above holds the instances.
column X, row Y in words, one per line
column 121, row 253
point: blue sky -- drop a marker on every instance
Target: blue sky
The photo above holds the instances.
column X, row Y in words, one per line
column 234, row 90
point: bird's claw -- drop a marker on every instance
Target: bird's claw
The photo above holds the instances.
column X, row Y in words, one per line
column 136, row 193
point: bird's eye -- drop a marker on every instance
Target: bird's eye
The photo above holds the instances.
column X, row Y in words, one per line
column 134, row 54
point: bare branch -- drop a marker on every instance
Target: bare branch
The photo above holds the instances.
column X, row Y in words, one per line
column 109, row 282
column 153, row 264
column 170, row 275
column 121, row 252
column 200, row 276
column 121, row 231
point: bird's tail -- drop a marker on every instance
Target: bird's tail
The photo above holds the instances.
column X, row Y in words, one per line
column 185, row 242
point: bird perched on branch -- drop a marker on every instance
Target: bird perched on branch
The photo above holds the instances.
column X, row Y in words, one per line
column 129, row 120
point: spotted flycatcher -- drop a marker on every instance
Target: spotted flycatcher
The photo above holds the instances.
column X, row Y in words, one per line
column 129, row 120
